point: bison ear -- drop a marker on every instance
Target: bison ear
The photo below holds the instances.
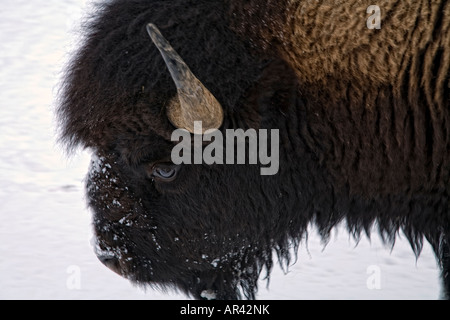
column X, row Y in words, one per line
column 195, row 101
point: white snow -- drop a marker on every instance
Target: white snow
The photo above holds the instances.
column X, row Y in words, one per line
column 208, row 295
column 45, row 233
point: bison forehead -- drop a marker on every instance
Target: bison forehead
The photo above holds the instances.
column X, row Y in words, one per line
column 119, row 74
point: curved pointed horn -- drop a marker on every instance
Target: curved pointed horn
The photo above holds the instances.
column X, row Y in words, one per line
column 196, row 103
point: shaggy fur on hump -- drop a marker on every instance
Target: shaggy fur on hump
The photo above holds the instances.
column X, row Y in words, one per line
column 364, row 126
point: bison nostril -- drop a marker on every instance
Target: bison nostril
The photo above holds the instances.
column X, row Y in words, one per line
column 111, row 262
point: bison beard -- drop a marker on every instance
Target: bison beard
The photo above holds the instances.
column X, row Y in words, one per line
column 368, row 149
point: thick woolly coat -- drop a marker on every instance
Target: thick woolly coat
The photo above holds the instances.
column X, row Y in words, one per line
column 364, row 124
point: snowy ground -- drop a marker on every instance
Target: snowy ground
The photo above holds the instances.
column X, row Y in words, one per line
column 45, row 233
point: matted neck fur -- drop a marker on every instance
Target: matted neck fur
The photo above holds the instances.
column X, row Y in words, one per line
column 393, row 82
column 323, row 39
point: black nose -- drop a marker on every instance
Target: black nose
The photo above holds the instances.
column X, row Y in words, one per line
column 110, row 262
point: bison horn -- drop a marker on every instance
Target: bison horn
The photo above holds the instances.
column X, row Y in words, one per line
column 195, row 101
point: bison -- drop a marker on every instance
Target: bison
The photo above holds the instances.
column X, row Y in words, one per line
column 362, row 114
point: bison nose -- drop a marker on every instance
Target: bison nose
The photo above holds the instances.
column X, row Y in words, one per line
column 110, row 262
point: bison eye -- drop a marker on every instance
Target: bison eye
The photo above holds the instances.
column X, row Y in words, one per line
column 165, row 171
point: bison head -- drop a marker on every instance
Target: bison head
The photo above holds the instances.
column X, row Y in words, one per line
column 197, row 228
